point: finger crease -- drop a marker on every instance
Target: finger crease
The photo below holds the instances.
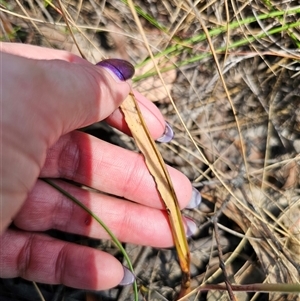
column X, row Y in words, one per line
column 24, row 257
column 69, row 159
column 62, row 212
column 60, row 264
column 129, row 180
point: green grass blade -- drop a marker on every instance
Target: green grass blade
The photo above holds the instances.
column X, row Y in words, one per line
column 236, row 44
column 147, row 17
column 103, row 225
column 188, row 44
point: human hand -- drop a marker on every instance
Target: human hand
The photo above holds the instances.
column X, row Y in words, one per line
column 45, row 96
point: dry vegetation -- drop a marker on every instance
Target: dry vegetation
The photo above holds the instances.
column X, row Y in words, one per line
column 237, row 137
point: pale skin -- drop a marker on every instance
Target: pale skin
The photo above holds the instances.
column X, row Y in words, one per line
column 45, row 96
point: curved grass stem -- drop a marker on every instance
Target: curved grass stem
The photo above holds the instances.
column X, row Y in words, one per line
column 103, row 225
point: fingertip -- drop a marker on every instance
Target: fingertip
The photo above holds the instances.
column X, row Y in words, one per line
column 81, row 93
column 128, row 277
column 183, row 188
column 191, row 227
column 92, row 269
column 168, row 134
column 151, row 114
column 195, row 200
column 121, row 69
column 110, row 272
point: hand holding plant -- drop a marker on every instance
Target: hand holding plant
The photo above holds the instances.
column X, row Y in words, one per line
column 45, row 96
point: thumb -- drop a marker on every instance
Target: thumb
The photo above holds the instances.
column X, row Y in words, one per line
column 60, row 96
column 60, row 91
column 81, row 94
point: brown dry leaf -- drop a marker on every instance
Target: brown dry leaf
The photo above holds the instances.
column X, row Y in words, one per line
column 152, row 87
column 158, row 170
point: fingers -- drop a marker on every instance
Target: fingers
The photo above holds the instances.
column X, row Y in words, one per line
column 111, row 169
column 44, row 259
column 46, row 208
column 150, row 112
column 43, row 99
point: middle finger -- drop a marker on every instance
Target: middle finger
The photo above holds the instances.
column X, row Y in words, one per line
column 95, row 163
column 46, row 208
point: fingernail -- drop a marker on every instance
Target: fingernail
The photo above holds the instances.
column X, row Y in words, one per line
column 195, row 199
column 167, row 135
column 128, row 277
column 191, row 227
column 121, row 68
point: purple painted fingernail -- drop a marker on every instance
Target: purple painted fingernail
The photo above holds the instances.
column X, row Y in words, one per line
column 128, row 277
column 167, row 135
column 121, row 68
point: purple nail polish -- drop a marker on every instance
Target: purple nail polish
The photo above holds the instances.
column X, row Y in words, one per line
column 121, row 68
column 128, row 277
column 167, row 135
